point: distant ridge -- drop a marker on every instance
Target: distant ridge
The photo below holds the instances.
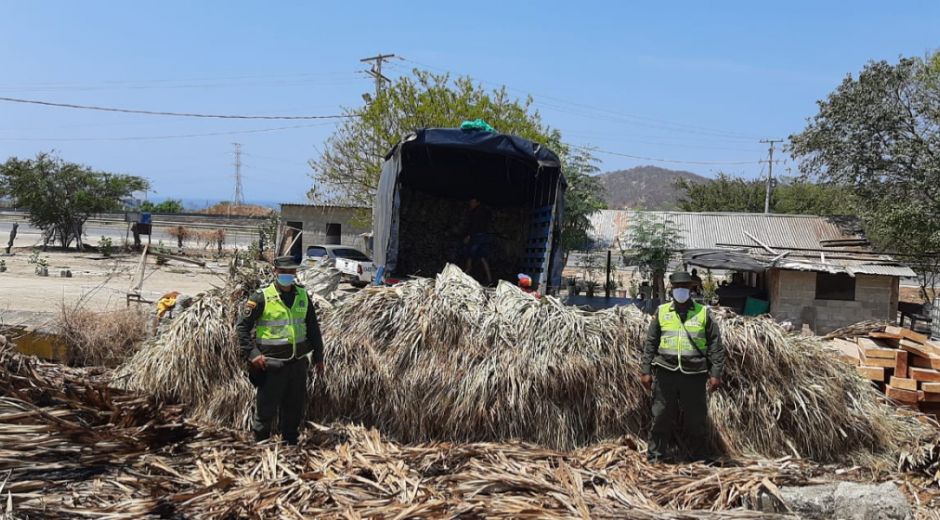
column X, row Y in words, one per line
column 649, row 187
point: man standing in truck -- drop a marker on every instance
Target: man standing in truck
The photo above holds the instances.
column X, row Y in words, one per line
column 476, row 237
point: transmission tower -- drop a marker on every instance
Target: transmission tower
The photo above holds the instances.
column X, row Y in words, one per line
column 238, row 199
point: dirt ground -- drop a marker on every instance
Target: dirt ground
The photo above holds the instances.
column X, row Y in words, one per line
column 96, row 282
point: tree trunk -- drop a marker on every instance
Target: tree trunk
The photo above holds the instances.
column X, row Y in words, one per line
column 659, row 285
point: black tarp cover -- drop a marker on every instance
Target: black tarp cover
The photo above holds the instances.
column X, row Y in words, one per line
column 455, row 162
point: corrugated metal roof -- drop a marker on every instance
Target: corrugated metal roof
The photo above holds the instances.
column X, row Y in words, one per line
column 708, row 230
column 326, row 206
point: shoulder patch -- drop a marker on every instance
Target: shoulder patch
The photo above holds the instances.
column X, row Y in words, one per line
column 251, row 304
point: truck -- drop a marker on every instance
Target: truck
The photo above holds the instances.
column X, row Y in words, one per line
column 355, row 267
column 426, row 182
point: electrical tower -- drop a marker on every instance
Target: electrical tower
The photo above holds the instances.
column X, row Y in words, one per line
column 770, row 171
column 238, row 199
column 376, row 70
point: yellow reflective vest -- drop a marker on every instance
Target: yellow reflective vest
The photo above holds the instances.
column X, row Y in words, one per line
column 279, row 326
column 682, row 339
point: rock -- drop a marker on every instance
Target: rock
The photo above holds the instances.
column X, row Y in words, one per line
column 843, row 500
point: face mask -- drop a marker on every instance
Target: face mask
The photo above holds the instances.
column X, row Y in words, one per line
column 680, row 294
column 285, row 279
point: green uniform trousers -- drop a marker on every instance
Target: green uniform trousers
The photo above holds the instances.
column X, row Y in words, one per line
column 674, row 392
column 282, row 393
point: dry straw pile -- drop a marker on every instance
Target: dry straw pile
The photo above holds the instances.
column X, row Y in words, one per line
column 100, row 338
column 445, row 359
column 75, row 448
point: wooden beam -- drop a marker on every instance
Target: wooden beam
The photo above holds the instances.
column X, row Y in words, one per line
column 900, row 365
column 765, row 246
column 904, row 384
column 907, row 333
column 916, row 348
column 903, row 396
column 933, row 362
column 925, row 374
column 871, row 373
column 930, row 388
column 881, row 362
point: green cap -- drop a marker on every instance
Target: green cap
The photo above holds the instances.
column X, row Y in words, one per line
column 285, row 262
column 680, row 277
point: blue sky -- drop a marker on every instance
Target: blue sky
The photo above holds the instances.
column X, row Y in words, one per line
column 700, row 82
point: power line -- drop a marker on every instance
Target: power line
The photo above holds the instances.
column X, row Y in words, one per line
column 648, row 121
column 162, row 137
column 654, row 159
column 161, row 113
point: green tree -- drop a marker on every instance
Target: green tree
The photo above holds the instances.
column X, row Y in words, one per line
column 583, row 198
column 60, row 196
column 723, row 193
column 735, row 194
column 651, row 246
column 349, row 167
column 167, row 206
column 879, row 135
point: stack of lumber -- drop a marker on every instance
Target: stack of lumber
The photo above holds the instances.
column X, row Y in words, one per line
column 903, row 363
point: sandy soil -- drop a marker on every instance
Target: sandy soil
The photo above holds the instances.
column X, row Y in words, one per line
column 100, row 283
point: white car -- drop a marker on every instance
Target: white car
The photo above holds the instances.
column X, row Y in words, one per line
column 353, row 264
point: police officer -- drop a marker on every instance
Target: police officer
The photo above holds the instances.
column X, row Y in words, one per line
column 285, row 332
column 682, row 358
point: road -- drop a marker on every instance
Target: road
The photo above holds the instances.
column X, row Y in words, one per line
column 28, row 236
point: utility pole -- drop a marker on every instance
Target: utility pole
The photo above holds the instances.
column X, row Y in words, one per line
column 376, row 70
column 238, row 198
column 770, row 171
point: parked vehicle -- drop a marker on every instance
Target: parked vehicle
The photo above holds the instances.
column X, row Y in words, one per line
column 355, row 266
column 426, row 183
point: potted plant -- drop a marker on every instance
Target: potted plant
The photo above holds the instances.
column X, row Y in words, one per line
column 590, row 285
column 3, row 266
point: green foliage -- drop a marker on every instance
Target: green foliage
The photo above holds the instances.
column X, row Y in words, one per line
column 167, row 206
column 729, row 193
column 349, row 167
column 583, row 198
column 61, row 196
column 161, row 251
column 105, row 247
column 879, row 136
column 33, row 257
column 652, row 245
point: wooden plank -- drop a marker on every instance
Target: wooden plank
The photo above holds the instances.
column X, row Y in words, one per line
column 903, row 396
column 915, row 348
column 924, row 374
column 930, row 388
column 847, row 350
column 929, row 398
column 871, row 373
column 880, row 362
column 901, row 364
column 921, row 362
column 881, row 353
column 904, row 384
column 933, row 347
column 864, row 343
column 884, row 337
column 907, row 333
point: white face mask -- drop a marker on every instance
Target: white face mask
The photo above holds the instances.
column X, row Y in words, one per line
column 680, row 294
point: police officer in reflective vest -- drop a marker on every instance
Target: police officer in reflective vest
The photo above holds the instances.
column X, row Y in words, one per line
column 682, row 359
column 277, row 330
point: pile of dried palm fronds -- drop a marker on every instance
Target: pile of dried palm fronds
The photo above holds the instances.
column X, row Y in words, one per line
column 196, row 360
column 73, row 447
column 100, row 338
column 445, row 359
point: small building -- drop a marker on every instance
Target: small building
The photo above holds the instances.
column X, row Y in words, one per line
column 814, row 271
column 326, row 224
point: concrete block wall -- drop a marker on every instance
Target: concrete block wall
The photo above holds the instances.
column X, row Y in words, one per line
column 793, row 299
